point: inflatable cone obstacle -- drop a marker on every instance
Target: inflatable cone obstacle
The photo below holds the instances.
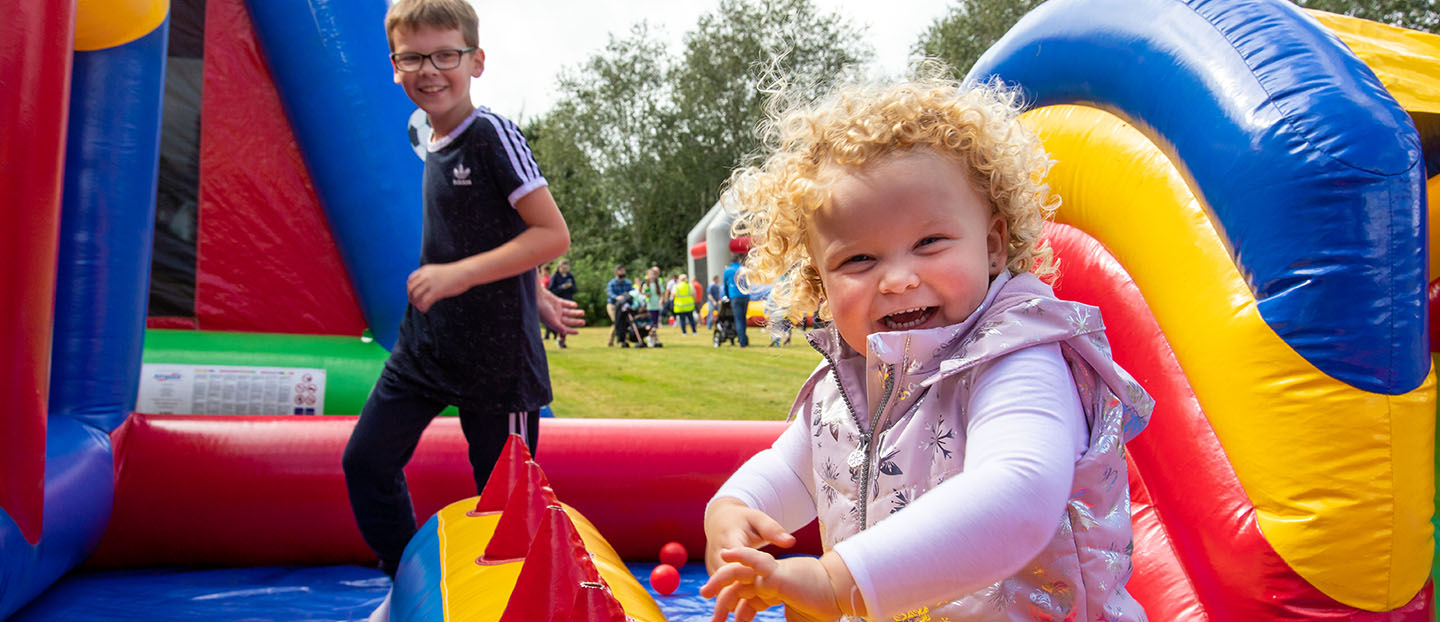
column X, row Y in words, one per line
column 524, row 511
column 595, row 601
column 559, row 581
column 508, row 469
column 516, row 553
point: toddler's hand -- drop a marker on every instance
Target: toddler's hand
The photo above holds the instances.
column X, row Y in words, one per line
column 753, row 581
column 730, row 524
column 434, row 282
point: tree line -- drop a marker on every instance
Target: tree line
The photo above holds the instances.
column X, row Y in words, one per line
column 642, row 138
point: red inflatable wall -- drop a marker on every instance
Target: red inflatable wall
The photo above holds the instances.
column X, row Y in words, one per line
column 265, row 259
column 237, row 491
column 33, row 115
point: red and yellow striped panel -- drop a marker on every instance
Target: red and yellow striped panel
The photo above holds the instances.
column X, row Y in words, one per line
column 1318, row 458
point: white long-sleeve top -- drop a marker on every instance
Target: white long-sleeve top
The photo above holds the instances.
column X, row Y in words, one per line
column 1024, row 433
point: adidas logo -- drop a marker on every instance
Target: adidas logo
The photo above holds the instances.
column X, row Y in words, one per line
column 460, row 176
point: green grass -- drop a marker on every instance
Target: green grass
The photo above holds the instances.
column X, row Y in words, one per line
column 686, row 379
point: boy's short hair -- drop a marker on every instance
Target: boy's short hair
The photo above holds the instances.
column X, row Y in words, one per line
column 440, row 14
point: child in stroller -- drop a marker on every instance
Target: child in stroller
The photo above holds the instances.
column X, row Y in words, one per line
column 725, row 324
column 632, row 322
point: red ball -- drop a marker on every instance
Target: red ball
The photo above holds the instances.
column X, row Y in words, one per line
column 664, row 578
column 673, row 553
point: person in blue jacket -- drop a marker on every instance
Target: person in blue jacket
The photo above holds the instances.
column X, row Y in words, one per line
column 739, row 300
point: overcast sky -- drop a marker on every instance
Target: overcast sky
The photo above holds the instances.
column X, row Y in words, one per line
column 527, row 42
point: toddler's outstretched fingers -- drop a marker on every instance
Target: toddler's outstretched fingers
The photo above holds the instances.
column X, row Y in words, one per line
column 771, row 531
column 744, row 613
column 762, row 564
column 751, row 606
column 729, row 574
column 729, row 600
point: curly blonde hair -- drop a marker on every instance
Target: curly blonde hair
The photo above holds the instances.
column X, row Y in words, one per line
column 976, row 126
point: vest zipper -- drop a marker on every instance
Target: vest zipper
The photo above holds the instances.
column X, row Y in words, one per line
column 870, row 447
column 865, row 437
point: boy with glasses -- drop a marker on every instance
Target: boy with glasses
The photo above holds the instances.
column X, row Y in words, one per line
column 470, row 336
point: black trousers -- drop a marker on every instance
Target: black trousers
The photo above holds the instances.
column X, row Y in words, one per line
column 383, row 442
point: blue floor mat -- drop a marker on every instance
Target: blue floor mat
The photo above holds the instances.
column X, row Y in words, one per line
column 331, row 593
column 219, row 595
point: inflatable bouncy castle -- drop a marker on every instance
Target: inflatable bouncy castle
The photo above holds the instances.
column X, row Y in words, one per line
column 1247, row 186
column 1246, row 194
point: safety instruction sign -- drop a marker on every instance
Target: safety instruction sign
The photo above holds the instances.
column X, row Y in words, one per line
column 230, row 390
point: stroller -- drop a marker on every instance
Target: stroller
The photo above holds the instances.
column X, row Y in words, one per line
column 632, row 323
column 725, row 325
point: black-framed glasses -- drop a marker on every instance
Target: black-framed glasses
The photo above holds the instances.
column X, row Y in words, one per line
column 441, row 59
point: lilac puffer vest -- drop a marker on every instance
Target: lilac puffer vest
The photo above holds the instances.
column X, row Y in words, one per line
column 914, row 391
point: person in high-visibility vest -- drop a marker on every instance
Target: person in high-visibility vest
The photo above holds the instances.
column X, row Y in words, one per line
column 684, row 303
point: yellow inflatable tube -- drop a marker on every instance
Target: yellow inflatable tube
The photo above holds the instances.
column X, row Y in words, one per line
column 1406, row 61
column 101, row 24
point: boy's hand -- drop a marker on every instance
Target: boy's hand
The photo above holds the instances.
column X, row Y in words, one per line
column 753, row 581
column 561, row 315
column 435, row 282
column 730, row 524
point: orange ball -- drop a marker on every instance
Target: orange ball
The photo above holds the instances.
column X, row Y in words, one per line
column 673, row 553
column 665, row 579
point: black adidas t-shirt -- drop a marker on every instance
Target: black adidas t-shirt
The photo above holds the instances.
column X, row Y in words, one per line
column 480, row 349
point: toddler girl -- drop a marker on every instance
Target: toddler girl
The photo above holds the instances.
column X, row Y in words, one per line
column 962, row 442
